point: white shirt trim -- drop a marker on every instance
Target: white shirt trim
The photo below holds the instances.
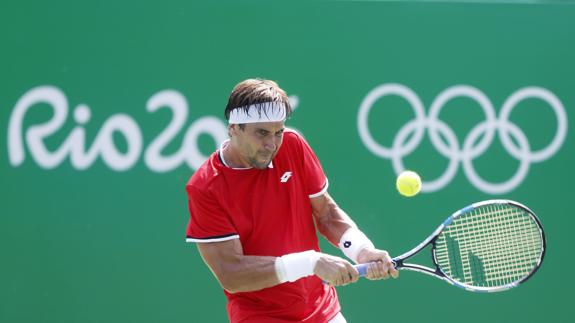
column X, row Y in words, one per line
column 236, row 236
column 323, row 190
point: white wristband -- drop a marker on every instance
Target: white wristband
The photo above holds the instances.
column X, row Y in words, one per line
column 297, row 265
column 352, row 242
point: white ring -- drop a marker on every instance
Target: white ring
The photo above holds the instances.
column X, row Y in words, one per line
column 367, row 104
column 553, row 101
column 466, row 154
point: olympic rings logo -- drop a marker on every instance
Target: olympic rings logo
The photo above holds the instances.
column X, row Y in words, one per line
column 472, row 148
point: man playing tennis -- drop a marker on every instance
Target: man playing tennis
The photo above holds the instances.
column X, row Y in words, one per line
column 253, row 205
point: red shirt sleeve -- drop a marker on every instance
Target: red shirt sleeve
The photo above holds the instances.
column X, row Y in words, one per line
column 208, row 221
column 316, row 181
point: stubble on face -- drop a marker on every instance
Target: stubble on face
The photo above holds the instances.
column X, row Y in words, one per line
column 261, row 143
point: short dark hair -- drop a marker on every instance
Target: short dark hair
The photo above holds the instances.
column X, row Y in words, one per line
column 254, row 91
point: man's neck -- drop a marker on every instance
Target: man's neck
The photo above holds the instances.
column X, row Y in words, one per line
column 231, row 158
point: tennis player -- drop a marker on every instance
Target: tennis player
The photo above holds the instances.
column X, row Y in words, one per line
column 253, row 205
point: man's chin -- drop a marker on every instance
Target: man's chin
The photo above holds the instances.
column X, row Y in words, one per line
column 261, row 165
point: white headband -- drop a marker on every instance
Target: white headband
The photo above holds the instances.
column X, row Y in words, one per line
column 259, row 112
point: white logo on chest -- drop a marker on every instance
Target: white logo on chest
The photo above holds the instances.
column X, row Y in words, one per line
column 285, row 177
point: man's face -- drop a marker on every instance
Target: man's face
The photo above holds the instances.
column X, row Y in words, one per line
column 258, row 143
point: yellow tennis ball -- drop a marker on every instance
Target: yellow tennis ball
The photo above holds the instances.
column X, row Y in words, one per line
column 408, row 183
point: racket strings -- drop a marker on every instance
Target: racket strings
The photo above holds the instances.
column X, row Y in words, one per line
column 490, row 245
column 496, row 240
column 493, row 245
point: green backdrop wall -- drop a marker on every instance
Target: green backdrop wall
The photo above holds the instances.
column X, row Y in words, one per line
column 106, row 109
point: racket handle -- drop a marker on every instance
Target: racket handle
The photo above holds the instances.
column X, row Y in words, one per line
column 362, row 268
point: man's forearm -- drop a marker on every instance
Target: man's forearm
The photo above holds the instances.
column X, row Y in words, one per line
column 239, row 273
column 246, row 273
column 332, row 221
column 336, row 226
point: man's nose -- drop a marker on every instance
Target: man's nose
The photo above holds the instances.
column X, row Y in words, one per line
column 270, row 143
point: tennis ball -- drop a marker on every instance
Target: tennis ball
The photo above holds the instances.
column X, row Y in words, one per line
column 408, row 183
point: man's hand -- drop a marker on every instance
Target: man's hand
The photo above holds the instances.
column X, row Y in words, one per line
column 335, row 271
column 381, row 266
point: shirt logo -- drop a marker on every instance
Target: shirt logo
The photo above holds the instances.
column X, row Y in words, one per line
column 285, row 177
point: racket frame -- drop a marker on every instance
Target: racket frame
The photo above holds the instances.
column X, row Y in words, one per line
column 399, row 261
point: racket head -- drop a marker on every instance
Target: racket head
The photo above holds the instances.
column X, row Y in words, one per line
column 490, row 246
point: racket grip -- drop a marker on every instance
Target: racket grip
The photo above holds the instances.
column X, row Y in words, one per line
column 362, row 268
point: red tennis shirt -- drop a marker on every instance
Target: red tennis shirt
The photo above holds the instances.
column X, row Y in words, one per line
column 270, row 212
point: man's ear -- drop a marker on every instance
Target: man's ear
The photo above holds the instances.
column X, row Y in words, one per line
column 232, row 130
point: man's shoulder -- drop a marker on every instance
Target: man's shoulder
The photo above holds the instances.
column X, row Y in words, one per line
column 205, row 176
column 291, row 133
column 292, row 136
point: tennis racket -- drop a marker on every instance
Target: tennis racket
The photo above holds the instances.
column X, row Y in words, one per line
column 488, row 246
